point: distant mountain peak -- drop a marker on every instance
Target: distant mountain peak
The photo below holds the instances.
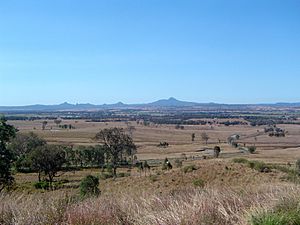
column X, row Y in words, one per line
column 171, row 102
column 65, row 104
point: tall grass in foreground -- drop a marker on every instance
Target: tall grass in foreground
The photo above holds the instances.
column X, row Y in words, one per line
column 253, row 205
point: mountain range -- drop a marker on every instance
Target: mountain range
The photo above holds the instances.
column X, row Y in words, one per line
column 163, row 103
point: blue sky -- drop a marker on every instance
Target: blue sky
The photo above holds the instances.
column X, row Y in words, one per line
column 104, row 51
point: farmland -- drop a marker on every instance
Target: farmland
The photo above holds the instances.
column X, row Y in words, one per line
column 148, row 136
column 241, row 184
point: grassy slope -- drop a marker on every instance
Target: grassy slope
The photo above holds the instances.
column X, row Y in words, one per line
column 233, row 194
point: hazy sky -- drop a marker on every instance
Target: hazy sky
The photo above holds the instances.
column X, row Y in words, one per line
column 105, row 51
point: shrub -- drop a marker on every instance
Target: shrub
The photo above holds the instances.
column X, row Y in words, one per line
column 252, row 149
column 89, row 186
column 42, row 185
column 240, row 160
column 46, row 184
column 199, row 183
column 259, row 166
column 189, row 169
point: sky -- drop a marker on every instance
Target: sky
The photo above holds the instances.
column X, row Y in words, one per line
column 139, row 51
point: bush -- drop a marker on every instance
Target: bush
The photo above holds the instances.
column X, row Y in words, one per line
column 89, row 186
column 240, row 160
column 256, row 165
column 252, row 149
column 199, row 183
column 259, row 166
column 42, row 185
column 46, row 184
column 189, row 169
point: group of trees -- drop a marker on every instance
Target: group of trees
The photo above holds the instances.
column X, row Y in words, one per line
column 274, row 131
column 30, row 153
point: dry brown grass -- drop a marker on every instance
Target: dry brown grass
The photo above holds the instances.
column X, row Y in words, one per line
column 214, row 173
column 223, row 205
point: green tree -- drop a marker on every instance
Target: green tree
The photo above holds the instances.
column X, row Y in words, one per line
column 48, row 160
column 21, row 146
column 6, row 156
column 117, row 144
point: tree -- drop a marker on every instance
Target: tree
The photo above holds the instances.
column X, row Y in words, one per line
column 193, row 137
column 204, row 137
column 57, row 121
column 44, row 124
column 21, row 146
column 117, row 144
column 24, row 143
column 6, row 133
column 48, row 160
column 217, row 151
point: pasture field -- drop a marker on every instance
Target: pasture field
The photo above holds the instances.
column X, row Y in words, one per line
column 271, row 149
